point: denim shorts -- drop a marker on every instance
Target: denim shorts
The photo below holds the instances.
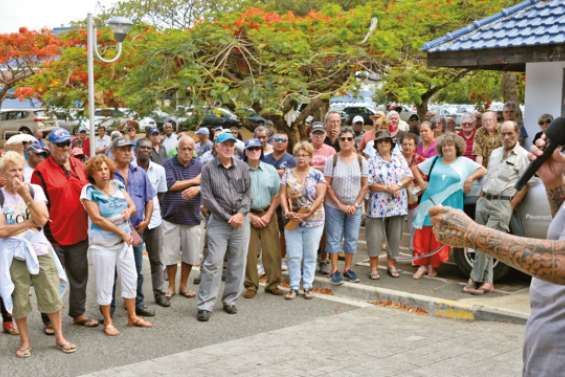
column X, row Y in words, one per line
column 340, row 226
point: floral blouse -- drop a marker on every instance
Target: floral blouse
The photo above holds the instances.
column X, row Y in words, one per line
column 303, row 195
column 383, row 204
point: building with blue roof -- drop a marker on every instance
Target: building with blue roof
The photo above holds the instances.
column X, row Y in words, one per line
column 528, row 37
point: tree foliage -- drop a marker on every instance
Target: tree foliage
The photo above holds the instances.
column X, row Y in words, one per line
column 21, row 55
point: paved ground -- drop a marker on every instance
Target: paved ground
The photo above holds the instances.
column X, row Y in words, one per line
column 364, row 342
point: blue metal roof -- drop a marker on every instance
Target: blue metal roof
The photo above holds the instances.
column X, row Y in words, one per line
column 529, row 23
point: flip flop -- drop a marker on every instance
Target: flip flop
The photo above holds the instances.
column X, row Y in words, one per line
column 188, row 293
column 140, row 322
column 111, row 330
column 48, row 330
column 393, row 272
column 169, row 294
column 86, row 322
column 23, row 353
column 9, row 328
column 374, row 275
column 67, row 347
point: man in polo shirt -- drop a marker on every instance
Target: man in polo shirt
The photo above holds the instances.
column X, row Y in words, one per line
column 141, row 192
column 170, row 138
column 280, row 159
column 102, row 141
column 265, row 187
column 152, row 235
column 181, row 216
column 158, row 152
column 225, row 191
column 62, row 178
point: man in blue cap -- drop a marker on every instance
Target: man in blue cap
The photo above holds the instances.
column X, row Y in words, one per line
column 225, row 190
column 141, row 192
column 204, row 144
column 62, row 178
column 265, row 187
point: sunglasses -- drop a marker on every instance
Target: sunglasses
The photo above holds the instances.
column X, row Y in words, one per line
column 63, row 144
column 544, row 122
column 280, row 140
column 346, row 138
column 253, row 149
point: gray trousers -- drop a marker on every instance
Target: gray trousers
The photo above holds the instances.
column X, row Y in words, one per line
column 388, row 229
column 223, row 240
column 152, row 239
column 495, row 214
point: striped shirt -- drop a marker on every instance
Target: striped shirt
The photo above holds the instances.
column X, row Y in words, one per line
column 174, row 208
column 226, row 192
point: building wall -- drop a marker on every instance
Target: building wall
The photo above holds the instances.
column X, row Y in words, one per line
column 544, row 93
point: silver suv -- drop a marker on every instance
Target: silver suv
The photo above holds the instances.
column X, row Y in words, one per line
column 28, row 121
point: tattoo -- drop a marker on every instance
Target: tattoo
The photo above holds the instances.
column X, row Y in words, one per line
column 544, row 259
column 555, row 197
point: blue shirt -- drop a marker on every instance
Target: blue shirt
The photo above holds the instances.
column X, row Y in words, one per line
column 287, row 161
column 174, row 208
column 265, row 184
column 139, row 189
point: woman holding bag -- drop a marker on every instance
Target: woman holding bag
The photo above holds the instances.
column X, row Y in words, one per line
column 302, row 194
column 450, row 174
column 110, row 238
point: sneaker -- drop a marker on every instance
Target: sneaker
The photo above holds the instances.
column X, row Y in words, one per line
column 260, row 270
column 284, row 266
column 335, row 278
column 308, row 294
column 324, row 267
column 351, row 276
column 291, row 295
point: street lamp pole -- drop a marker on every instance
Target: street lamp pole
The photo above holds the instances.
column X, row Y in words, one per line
column 120, row 26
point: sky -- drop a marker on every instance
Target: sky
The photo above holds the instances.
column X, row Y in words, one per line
column 37, row 14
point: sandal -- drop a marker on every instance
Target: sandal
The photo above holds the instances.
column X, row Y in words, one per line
column 67, row 347
column 420, row 272
column 86, row 322
column 23, row 353
column 48, row 330
column 188, row 293
column 140, row 322
column 111, row 330
column 486, row 288
column 9, row 328
column 170, row 293
column 374, row 275
column 393, row 272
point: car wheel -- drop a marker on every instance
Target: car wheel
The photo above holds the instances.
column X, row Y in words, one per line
column 25, row 130
column 464, row 258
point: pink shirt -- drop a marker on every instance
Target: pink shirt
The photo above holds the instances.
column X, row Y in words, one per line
column 320, row 156
column 430, row 152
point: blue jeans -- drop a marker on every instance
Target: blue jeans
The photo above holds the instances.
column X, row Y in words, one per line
column 341, row 226
column 301, row 247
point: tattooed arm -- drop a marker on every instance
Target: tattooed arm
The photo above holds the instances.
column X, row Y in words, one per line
column 544, row 259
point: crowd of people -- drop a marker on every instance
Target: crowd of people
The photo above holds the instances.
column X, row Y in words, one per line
column 235, row 208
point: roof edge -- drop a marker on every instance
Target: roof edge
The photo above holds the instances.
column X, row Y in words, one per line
column 478, row 24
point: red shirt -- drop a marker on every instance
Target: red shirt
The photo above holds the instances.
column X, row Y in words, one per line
column 416, row 160
column 69, row 223
column 468, row 144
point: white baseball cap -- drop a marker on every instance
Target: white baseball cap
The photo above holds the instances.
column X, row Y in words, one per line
column 358, row 119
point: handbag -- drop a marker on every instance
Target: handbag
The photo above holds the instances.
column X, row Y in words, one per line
column 293, row 223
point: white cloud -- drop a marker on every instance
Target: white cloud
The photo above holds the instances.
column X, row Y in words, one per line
column 37, row 14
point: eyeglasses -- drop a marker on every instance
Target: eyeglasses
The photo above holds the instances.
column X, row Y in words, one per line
column 346, row 138
column 144, row 147
column 131, row 129
column 302, row 155
column 466, row 124
column 63, row 144
column 544, row 122
column 280, row 140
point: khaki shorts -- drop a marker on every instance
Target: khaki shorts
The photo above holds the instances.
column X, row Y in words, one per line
column 180, row 240
column 45, row 284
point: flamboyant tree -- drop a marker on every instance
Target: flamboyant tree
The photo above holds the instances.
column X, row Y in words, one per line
column 22, row 54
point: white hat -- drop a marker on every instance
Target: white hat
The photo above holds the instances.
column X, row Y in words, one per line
column 357, row 119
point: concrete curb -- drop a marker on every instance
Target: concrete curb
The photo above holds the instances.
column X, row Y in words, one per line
column 431, row 305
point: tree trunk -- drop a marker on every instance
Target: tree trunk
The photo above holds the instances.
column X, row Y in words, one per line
column 510, row 87
column 422, row 109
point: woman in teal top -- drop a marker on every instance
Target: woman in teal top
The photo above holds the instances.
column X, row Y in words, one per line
column 449, row 176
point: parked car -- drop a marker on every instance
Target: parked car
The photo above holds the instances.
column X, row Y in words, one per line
column 352, row 111
column 28, row 121
column 208, row 116
column 530, row 219
column 249, row 118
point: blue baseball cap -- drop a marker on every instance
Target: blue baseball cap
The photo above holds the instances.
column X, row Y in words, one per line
column 153, row 131
column 252, row 143
column 37, row 148
column 203, row 131
column 58, row 135
column 224, row 136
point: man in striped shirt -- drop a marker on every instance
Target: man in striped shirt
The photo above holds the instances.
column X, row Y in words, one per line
column 181, row 231
column 226, row 194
